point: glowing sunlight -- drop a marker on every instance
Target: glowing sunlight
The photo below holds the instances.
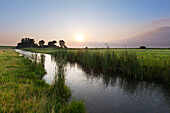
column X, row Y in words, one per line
column 80, row 38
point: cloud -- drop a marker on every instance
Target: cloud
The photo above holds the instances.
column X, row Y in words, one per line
column 162, row 21
column 157, row 37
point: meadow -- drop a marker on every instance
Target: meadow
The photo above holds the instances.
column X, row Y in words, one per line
column 137, row 63
column 7, row 47
column 23, row 90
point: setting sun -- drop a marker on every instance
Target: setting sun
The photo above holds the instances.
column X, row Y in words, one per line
column 79, row 38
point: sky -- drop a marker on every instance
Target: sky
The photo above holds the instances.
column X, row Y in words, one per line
column 116, row 22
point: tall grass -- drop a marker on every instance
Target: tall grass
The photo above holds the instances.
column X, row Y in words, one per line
column 140, row 64
column 129, row 63
column 23, row 90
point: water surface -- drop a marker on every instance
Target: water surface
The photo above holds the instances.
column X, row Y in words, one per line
column 108, row 93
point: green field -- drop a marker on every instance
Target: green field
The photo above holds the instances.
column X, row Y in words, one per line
column 138, row 63
column 23, row 90
column 7, row 47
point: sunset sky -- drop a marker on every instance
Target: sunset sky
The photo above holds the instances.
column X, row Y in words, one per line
column 116, row 22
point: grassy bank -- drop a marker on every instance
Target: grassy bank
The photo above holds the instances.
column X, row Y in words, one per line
column 137, row 63
column 23, row 90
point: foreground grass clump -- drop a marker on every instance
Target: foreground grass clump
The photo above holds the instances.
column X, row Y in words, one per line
column 141, row 64
column 23, row 90
column 74, row 107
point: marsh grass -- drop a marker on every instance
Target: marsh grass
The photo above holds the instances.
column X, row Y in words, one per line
column 23, row 90
column 74, row 107
column 137, row 63
column 62, row 93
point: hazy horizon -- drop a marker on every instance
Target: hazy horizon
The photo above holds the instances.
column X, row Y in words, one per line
column 118, row 23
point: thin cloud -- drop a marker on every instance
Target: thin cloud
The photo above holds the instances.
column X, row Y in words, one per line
column 156, row 37
column 163, row 22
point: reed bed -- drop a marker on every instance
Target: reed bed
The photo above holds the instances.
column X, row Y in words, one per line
column 137, row 63
column 145, row 66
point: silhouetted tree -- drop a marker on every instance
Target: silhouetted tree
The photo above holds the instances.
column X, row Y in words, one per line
column 62, row 44
column 41, row 43
column 35, row 45
column 52, row 43
column 26, row 42
column 22, row 40
column 142, row 47
column 31, row 41
column 19, row 45
column 49, row 43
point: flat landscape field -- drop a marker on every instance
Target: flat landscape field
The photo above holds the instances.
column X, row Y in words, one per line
column 7, row 47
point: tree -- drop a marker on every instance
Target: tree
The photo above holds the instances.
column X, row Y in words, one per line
column 22, row 40
column 26, row 42
column 31, row 41
column 52, row 43
column 41, row 43
column 142, row 47
column 62, row 44
column 19, row 45
column 49, row 43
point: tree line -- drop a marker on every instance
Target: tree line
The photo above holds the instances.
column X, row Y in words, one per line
column 28, row 42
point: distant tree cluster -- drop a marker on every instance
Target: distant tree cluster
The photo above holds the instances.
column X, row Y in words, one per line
column 27, row 43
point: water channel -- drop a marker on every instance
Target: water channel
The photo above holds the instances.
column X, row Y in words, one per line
column 108, row 93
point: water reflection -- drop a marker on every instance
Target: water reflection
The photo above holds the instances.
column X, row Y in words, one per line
column 120, row 94
column 108, row 92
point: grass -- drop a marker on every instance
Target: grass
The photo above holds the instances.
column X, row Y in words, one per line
column 137, row 63
column 7, row 47
column 23, row 90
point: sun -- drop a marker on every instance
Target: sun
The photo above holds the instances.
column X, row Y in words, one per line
column 80, row 38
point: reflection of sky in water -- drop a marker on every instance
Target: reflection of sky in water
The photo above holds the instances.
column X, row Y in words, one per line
column 50, row 65
column 109, row 93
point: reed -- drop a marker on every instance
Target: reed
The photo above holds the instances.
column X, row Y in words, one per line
column 62, row 93
column 141, row 67
column 74, row 107
column 137, row 63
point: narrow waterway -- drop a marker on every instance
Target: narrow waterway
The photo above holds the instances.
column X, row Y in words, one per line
column 107, row 93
